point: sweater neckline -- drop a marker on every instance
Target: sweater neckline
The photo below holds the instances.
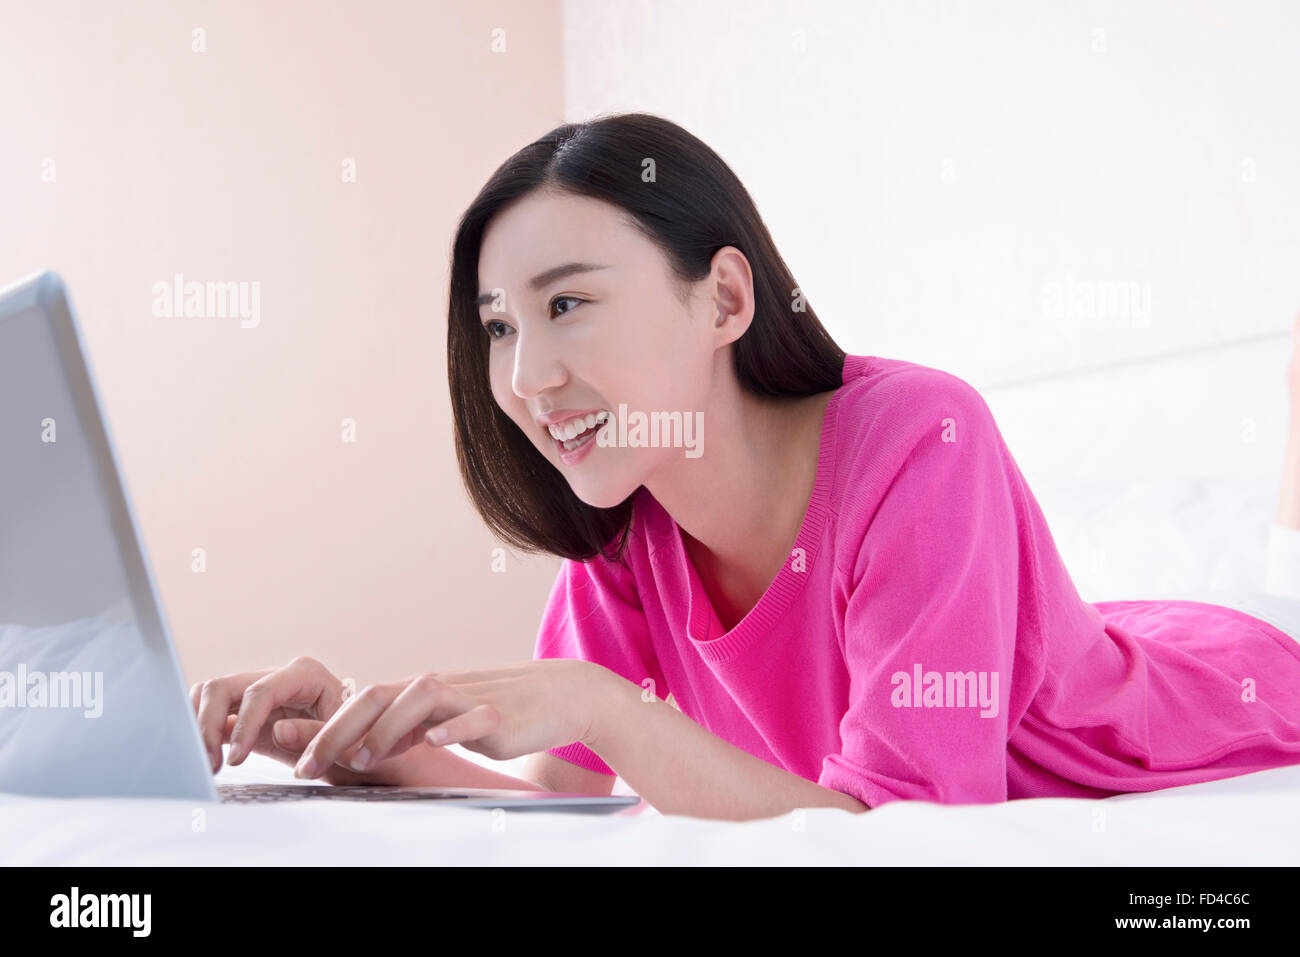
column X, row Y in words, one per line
column 704, row 628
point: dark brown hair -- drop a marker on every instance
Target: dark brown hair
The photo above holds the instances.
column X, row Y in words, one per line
column 694, row 206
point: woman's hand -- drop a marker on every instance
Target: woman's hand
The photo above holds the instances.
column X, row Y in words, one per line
column 501, row 713
column 277, row 713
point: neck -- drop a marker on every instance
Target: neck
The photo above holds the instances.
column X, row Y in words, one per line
column 741, row 504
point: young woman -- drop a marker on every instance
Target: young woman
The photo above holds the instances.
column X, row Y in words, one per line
column 832, row 563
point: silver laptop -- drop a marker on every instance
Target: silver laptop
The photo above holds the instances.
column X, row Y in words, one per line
column 92, row 699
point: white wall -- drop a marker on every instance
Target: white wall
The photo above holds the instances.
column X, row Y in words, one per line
column 962, row 184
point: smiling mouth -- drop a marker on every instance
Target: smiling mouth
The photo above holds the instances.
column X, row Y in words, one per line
column 579, row 432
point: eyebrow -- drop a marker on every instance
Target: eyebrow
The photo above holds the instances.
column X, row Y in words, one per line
column 543, row 279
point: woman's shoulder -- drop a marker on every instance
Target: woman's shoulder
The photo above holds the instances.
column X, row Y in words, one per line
column 891, row 417
column 892, row 404
column 877, row 386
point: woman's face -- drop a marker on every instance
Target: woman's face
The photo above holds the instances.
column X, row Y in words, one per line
column 589, row 340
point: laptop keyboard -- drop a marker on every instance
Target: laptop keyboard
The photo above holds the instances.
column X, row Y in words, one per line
column 258, row 793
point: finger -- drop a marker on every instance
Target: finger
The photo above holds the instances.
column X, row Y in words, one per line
column 423, row 702
column 303, row 730
column 284, row 739
column 477, row 722
column 345, row 728
column 303, row 683
column 217, row 697
column 291, row 736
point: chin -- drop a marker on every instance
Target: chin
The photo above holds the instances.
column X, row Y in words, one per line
column 601, row 495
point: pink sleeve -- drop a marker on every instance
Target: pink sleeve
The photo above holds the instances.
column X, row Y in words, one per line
column 594, row 615
column 935, row 588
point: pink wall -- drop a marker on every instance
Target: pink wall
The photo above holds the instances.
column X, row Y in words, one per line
column 227, row 165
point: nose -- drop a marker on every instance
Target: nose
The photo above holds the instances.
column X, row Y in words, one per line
column 537, row 367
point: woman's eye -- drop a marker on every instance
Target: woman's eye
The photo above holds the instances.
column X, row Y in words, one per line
column 488, row 326
column 563, row 299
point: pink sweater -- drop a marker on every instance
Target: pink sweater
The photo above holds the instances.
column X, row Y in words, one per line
column 925, row 641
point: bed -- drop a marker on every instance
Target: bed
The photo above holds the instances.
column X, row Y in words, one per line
column 1250, row 820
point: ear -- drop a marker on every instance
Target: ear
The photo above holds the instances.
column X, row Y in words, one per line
column 732, row 283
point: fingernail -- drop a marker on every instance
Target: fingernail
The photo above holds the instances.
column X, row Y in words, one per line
column 233, row 753
column 286, row 734
column 362, row 760
column 305, row 769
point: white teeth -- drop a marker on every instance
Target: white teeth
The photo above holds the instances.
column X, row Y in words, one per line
column 576, row 427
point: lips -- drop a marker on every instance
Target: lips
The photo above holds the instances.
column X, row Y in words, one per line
column 576, row 426
column 575, row 450
column 581, row 441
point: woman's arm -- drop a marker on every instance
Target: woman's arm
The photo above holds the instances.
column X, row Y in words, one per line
column 680, row 768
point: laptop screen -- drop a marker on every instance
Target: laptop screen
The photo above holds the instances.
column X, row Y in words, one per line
column 87, row 705
column 58, row 556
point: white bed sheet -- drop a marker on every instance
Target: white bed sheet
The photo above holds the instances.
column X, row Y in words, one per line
column 1250, row 820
